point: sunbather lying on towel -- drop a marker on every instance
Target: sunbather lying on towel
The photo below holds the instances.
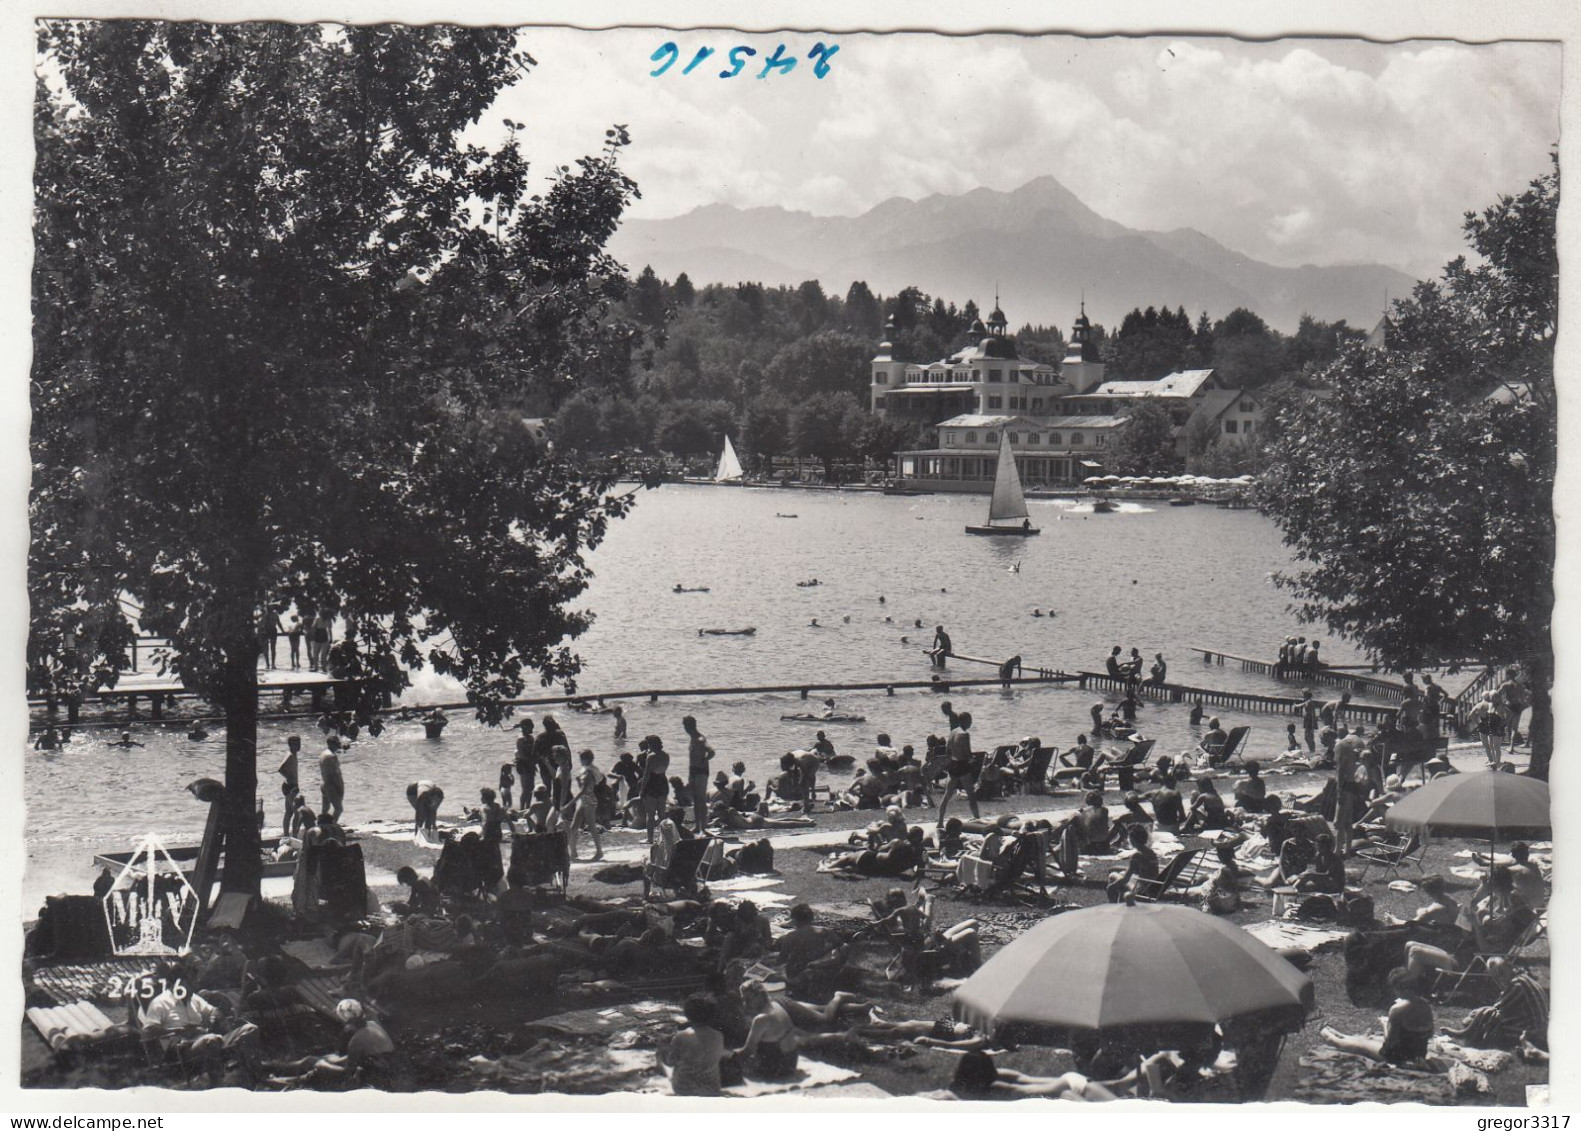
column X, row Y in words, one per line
column 894, row 859
column 977, row 1078
column 365, row 1046
column 723, row 815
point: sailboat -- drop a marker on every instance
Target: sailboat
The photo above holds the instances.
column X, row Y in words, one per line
column 729, row 465
column 1009, row 504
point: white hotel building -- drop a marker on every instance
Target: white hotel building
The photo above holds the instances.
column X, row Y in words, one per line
column 1060, row 421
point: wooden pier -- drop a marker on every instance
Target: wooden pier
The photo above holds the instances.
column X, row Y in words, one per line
column 1344, row 679
column 1234, row 700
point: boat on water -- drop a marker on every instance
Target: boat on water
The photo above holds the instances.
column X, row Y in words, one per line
column 729, row 470
column 726, row 631
column 185, row 857
column 1104, row 506
column 1009, row 504
column 835, row 719
column 1182, row 502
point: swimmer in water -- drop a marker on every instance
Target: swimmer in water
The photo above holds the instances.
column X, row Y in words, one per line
column 846, row 619
column 1037, row 612
column 126, row 741
column 814, row 623
column 198, row 732
column 880, row 598
column 889, row 620
column 917, row 623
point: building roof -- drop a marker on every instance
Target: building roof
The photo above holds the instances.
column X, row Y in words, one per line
column 1216, row 402
column 1186, row 383
column 1080, row 422
column 972, row 420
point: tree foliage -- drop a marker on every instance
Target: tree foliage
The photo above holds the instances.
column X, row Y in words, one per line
column 1421, row 506
column 1146, row 444
column 278, row 305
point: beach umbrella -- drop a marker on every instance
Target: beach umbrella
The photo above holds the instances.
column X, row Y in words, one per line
column 1481, row 803
column 1091, row 479
column 1115, row 966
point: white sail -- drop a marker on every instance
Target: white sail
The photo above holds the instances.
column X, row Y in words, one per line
column 730, row 466
column 1009, row 502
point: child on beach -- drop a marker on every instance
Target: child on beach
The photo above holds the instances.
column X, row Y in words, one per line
column 507, row 781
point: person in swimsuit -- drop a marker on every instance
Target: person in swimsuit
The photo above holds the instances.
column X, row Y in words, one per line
column 588, row 778
column 425, row 797
column 654, row 785
column 1406, row 1031
column 942, row 647
column 620, row 722
column 977, row 1077
column 772, row 1039
column 1143, row 865
column 693, row 1055
column 507, row 783
column 962, row 766
column 332, row 787
column 698, row 754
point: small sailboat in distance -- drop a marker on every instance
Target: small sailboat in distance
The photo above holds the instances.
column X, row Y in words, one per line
column 729, row 466
column 1009, row 505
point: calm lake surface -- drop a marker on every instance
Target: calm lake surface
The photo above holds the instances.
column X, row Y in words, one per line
column 1157, row 577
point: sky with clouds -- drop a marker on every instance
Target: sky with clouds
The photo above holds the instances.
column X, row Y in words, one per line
column 1293, row 151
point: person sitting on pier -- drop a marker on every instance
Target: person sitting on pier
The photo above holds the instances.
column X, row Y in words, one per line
column 1112, row 666
column 1159, row 670
column 1133, row 668
column 1207, row 808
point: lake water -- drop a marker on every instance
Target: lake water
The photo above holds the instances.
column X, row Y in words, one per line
column 1157, row 577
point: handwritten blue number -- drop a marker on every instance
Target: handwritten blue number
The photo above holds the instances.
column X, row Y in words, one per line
column 669, row 49
column 778, row 61
column 822, row 54
column 702, row 53
column 738, row 60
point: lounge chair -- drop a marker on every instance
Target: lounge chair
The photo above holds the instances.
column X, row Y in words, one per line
column 1391, row 852
column 676, row 871
column 1185, row 870
column 1234, row 747
column 539, row 860
column 1476, row 968
column 1035, row 774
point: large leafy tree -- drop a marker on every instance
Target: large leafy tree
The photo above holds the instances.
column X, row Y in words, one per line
column 1146, row 444
column 278, row 302
column 1419, row 495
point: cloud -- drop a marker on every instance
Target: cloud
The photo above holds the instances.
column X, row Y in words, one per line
column 1294, row 151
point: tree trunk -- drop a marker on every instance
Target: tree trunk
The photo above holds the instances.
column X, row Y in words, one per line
column 1540, row 727
column 243, row 854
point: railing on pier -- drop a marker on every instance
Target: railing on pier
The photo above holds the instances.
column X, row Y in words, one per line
column 1306, row 673
column 1235, row 700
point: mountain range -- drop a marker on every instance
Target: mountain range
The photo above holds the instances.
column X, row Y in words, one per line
column 1040, row 246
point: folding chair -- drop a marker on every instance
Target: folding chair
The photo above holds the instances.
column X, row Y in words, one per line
column 1234, row 747
column 677, row 873
column 1476, row 968
column 1391, row 852
column 539, row 860
column 1185, row 870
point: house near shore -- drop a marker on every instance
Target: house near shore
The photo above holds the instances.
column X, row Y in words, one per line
column 1060, row 421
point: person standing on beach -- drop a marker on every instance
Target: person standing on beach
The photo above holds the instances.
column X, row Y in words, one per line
column 526, row 765
column 288, row 787
column 1308, row 710
column 588, row 780
column 332, row 787
column 961, row 766
column 268, row 633
column 698, row 755
column 319, row 639
column 549, row 736
column 293, row 636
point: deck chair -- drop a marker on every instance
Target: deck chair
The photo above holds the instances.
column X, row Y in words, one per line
column 1392, row 852
column 539, row 860
column 1035, row 774
column 676, row 871
column 1134, row 757
column 1234, row 747
column 1184, row 870
column 1476, row 968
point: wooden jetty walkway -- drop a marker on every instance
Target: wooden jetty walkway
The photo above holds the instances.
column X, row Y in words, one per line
column 1345, row 680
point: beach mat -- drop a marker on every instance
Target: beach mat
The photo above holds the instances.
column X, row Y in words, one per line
column 1331, row 1076
column 1282, row 934
column 809, row 1074
column 74, row 1023
column 316, row 954
column 607, row 1019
